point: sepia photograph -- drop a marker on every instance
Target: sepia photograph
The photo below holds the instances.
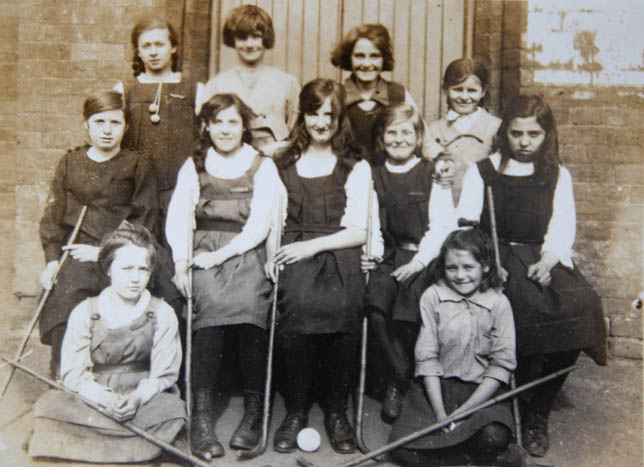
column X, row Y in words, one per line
column 322, row 233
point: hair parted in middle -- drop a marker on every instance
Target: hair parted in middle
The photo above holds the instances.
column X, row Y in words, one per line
column 247, row 20
column 479, row 245
column 312, row 97
column 392, row 115
column 127, row 234
column 546, row 165
column 376, row 33
column 147, row 24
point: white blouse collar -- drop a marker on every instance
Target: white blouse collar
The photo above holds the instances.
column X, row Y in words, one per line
column 230, row 167
column 463, row 122
column 406, row 167
column 115, row 314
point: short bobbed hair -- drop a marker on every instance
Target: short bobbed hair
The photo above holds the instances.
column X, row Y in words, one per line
column 479, row 245
column 127, row 234
column 102, row 102
column 459, row 70
column 392, row 115
column 524, row 106
column 247, row 20
column 208, row 113
column 147, row 24
column 312, row 97
column 376, row 33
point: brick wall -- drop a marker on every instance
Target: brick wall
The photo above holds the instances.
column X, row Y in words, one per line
column 601, row 135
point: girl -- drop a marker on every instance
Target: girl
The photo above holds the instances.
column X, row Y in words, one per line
column 557, row 313
column 270, row 92
column 321, row 287
column 415, row 217
column 465, row 353
column 229, row 189
column 115, row 185
column 122, row 351
column 160, row 103
column 366, row 52
column 467, row 131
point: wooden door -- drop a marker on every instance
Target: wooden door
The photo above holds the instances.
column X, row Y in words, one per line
column 427, row 35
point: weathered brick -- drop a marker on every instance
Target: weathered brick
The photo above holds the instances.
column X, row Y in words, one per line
column 97, row 51
column 627, row 326
column 630, row 174
column 586, row 116
column 625, row 347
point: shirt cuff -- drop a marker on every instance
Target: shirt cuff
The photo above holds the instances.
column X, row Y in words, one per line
column 431, row 367
column 498, row 373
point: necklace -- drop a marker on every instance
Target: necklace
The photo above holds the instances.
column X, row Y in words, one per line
column 156, row 105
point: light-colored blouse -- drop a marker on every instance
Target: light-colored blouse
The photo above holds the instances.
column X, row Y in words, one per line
column 76, row 362
column 561, row 232
column 469, row 338
column 181, row 211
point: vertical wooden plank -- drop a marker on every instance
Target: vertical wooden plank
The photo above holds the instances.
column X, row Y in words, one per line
column 386, row 15
column 310, row 40
column 351, row 15
column 401, row 42
column 454, row 23
column 369, row 11
column 330, row 20
column 215, row 38
column 433, row 61
column 294, row 38
column 416, row 64
column 280, row 25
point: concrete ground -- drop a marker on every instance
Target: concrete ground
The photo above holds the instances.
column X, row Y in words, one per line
column 598, row 421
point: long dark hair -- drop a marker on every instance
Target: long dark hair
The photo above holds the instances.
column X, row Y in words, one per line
column 209, row 112
column 312, row 97
column 546, row 164
column 147, row 24
column 479, row 245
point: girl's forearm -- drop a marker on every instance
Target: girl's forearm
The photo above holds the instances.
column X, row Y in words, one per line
column 345, row 238
column 435, row 395
column 483, row 392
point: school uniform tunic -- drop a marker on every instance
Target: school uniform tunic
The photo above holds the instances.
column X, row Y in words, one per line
column 231, row 210
column 467, row 138
column 534, row 216
column 323, row 294
column 104, row 354
column 363, row 121
column 415, row 217
column 121, row 188
column 169, row 141
column 462, row 340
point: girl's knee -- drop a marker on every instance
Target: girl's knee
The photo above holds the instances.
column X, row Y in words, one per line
column 492, row 438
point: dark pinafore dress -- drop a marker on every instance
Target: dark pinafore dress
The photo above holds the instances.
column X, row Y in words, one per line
column 565, row 315
column 65, row 428
column 364, row 121
column 403, row 199
column 323, row 294
column 237, row 291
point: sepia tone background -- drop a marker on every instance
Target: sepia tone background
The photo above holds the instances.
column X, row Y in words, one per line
column 586, row 57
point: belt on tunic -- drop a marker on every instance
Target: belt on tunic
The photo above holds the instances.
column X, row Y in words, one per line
column 315, row 228
column 138, row 366
column 408, row 246
column 219, row 225
column 507, row 242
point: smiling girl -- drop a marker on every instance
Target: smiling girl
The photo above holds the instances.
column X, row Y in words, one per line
column 271, row 93
column 415, row 217
column 115, row 184
column 366, row 52
column 468, row 130
column 228, row 190
column 556, row 311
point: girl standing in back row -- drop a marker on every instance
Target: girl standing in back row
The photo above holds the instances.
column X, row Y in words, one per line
column 557, row 313
column 271, row 93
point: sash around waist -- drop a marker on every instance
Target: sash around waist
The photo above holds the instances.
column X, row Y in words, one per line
column 219, row 225
column 117, row 368
column 313, row 228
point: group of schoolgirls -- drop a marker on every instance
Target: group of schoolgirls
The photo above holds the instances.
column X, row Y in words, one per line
column 345, row 160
